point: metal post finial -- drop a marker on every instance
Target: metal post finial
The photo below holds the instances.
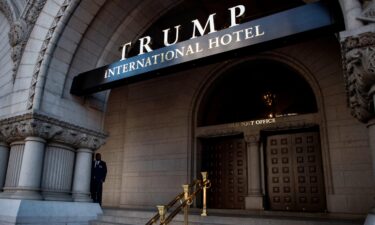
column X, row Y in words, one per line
column 162, row 212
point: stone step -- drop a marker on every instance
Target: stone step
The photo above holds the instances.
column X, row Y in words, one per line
column 143, row 213
column 227, row 217
column 97, row 222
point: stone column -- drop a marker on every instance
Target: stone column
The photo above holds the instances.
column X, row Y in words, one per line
column 58, row 172
column 4, row 156
column 37, row 170
column 358, row 51
column 31, row 170
column 13, row 169
column 82, row 175
column 254, row 199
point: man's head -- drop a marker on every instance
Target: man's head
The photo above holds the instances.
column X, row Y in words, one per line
column 98, row 156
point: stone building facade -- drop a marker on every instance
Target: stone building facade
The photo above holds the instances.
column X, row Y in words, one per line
column 153, row 133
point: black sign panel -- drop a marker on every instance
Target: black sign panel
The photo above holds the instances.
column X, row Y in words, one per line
column 280, row 25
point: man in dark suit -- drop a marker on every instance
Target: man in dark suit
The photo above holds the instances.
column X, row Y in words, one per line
column 98, row 174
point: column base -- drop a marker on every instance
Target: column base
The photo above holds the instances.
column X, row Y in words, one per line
column 57, row 196
column 370, row 219
column 81, row 197
column 7, row 194
column 22, row 212
column 254, row 202
column 27, row 195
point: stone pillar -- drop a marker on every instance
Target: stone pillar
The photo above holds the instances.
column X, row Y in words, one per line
column 82, row 175
column 39, row 168
column 254, row 198
column 13, row 169
column 58, row 172
column 31, row 170
column 358, row 51
column 4, row 156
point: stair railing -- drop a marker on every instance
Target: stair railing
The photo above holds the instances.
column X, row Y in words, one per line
column 185, row 199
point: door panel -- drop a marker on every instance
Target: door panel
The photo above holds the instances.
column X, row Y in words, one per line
column 294, row 172
column 280, row 173
column 225, row 161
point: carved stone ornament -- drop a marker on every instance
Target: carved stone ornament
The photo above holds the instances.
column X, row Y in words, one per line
column 17, row 39
column 32, row 10
column 358, row 54
column 252, row 139
column 37, row 125
column 368, row 13
column 6, row 9
column 17, row 32
column 21, row 22
column 45, row 46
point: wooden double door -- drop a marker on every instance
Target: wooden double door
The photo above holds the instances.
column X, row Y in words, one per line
column 225, row 160
column 294, row 172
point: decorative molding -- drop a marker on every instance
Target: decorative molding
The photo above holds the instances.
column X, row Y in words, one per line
column 252, row 138
column 358, row 53
column 32, row 10
column 45, row 47
column 217, row 132
column 20, row 26
column 7, row 10
column 368, row 13
column 50, row 129
column 18, row 35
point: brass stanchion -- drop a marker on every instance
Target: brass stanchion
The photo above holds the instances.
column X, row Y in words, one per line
column 162, row 212
column 204, row 210
column 186, row 208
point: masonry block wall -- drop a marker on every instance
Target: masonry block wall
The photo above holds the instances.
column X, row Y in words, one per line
column 154, row 138
column 6, row 66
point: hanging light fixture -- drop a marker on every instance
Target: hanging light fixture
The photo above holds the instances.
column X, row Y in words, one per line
column 269, row 101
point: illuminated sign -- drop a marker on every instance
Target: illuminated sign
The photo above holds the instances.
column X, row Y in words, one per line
column 150, row 63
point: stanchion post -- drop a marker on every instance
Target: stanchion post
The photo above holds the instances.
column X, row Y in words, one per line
column 161, row 209
column 186, row 208
column 204, row 178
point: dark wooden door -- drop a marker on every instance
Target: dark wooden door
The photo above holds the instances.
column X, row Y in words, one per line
column 295, row 173
column 225, row 161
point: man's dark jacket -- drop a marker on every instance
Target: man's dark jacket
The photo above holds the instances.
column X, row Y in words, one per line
column 99, row 172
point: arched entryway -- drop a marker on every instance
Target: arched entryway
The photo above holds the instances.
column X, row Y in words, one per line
column 256, row 153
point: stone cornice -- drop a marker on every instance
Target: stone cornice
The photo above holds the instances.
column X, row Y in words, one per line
column 50, row 129
column 358, row 53
column 359, row 41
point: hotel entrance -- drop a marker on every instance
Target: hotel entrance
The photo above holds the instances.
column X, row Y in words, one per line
column 259, row 140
